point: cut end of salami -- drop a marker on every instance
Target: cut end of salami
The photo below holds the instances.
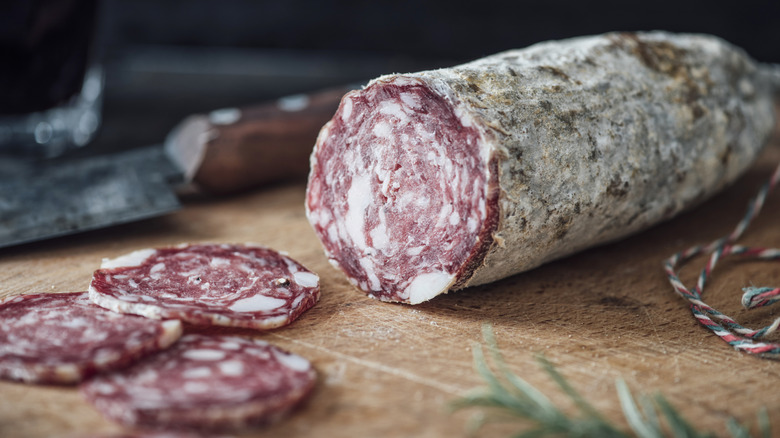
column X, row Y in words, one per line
column 208, row 284
column 205, row 382
column 64, row 338
column 438, row 180
column 416, row 186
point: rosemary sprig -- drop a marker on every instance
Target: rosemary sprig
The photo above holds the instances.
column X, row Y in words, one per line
column 508, row 396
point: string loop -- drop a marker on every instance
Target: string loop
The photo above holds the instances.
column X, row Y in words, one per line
column 741, row 338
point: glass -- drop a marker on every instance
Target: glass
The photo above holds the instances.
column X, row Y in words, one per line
column 50, row 85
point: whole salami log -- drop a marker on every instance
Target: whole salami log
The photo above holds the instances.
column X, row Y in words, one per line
column 247, row 286
column 205, row 382
column 433, row 181
column 64, row 338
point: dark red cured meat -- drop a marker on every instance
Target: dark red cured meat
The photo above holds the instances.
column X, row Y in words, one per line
column 151, row 435
column 208, row 284
column 64, row 338
column 205, row 382
column 416, row 198
column 154, row 434
column 438, row 180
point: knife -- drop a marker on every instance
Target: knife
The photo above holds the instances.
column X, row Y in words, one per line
column 226, row 151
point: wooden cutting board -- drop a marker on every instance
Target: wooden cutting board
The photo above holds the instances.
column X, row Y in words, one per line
column 391, row 370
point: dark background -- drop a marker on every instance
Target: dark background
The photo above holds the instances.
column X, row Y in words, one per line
column 440, row 29
column 181, row 56
column 164, row 59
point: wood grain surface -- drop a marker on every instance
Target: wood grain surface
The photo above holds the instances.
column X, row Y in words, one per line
column 390, row 370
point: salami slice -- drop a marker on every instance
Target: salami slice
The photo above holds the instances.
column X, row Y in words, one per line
column 220, row 284
column 204, row 382
column 152, row 435
column 64, row 338
column 433, row 181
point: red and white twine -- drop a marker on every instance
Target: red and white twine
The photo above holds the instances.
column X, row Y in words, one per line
column 741, row 338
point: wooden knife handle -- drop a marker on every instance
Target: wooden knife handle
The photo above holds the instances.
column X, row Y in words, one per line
column 233, row 149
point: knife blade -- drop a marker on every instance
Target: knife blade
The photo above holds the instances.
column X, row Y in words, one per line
column 63, row 197
column 226, row 151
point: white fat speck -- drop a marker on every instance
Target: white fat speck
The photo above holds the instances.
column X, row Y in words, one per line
column 231, row 368
column 104, row 357
column 410, row 100
column 379, row 236
column 454, row 218
column 103, row 388
column 358, row 200
column 324, row 217
column 406, row 198
column 135, row 258
column 465, row 120
column 293, row 103
column 125, row 297
column 204, row 354
column 257, row 303
column 74, row 322
column 230, row 345
column 449, row 170
column 132, row 283
column 259, row 342
column 293, row 361
column 224, row 116
column 313, row 216
column 196, row 373
column 471, row 225
column 196, row 387
column 306, row 279
column 426, row 286
column 172, row 326
column 335, row 264
column 218, row 261
column 414, row 250
column 368, row 266
column 264, row 354
column 346, row 109
column 390, row 108
column 382, row 130
column 157, row 268
column 422, row 201
column 445, row 212
column 246, row 268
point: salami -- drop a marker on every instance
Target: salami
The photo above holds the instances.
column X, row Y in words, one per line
column 204, row 382
column 153, row 435
column 228, row 285
column 434, row 181
column 64, row 338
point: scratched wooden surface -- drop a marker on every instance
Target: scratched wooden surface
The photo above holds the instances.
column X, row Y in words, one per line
column 391, row 370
